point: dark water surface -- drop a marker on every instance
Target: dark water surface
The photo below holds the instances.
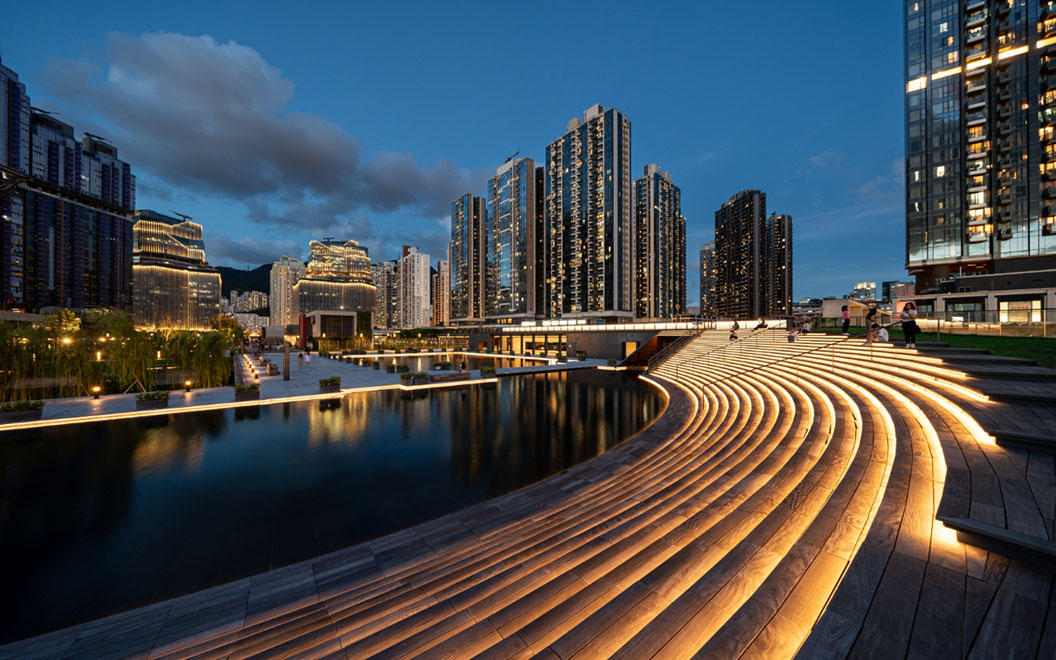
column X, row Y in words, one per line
column 103, row 517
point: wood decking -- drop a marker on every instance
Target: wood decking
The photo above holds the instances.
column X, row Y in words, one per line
column 794, row 500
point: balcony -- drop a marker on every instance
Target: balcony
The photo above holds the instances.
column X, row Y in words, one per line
column 1048, row 210
column 975, row 20
column 1049, row 175
column 976, row 138
column 1049, row 193
column 975, row 102
column 975, row 36
column 1004, row 216
column 1002, row 8
column 977, row 237
column 1047, row 10
column 976, row 85
column 1004, row 234
column 1005, row 163
column 1004, row 128
column 1004, row 198
column 1048, row 65
column 1048, row 229
column 1005, row 112
column 1005, row 95
column 1004, row 77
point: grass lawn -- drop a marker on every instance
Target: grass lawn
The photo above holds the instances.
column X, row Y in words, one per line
column 1034, row 348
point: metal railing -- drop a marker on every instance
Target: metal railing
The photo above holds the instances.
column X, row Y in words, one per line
column 656, row 359
column 754, row 337
column 831, row 345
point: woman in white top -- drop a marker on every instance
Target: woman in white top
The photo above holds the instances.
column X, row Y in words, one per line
column 909, row 324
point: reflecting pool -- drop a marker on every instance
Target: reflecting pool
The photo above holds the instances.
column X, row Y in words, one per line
column 103, row 517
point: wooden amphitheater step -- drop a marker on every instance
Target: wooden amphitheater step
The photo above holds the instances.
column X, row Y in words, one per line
column 1017, row 391
column 1024, row 547
column 1027, row 441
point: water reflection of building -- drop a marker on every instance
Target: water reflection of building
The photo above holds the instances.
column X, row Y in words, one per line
column 345, row 424
column 163, row 448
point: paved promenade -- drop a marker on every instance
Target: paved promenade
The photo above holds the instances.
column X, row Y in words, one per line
column 303, row 383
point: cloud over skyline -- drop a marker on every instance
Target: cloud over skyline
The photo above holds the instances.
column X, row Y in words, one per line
column 214, row 118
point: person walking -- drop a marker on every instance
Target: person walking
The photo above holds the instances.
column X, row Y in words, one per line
column 846, row 314
column 909, row 324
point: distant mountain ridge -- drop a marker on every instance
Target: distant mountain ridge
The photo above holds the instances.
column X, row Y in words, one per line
column 258, row 279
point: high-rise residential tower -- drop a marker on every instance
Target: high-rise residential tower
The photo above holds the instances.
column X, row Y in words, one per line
column 516, row 268
column 589, row 217
column 980, row 110
column 468, row 259
column 753, row 259
column 777, row 265
column 738, row 256
column 284, row 274
column 442, row 294
column 173, row 285
column 707, row 280
column 414, row 308
column 336, row 278
column 386, row 278
column 66, row 208
column 660, row 247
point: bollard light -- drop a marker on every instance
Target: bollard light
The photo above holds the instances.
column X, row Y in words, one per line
column 95, row 391
column 187, row 384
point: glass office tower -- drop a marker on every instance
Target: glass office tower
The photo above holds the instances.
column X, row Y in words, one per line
column 173, row 286
column 980, row 115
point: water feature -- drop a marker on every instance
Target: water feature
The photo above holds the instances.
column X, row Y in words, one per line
column 101, row 517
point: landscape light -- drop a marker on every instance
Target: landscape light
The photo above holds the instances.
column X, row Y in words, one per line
column 187, row 384
column 96, row 390
column 66, row 340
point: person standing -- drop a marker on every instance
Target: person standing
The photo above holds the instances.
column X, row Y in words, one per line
column 909, row 324
column 870, row 318
column 846, row 314
column 308, row 360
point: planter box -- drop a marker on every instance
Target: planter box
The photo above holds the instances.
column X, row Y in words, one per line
column 248, row 396
column 402, row 368
column 151, row 404
column 377, row 366
column 21, row 416
column 419, row 381
column 329, row 389
column 445, row 378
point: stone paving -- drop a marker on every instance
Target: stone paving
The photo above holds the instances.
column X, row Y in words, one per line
column 304, row 382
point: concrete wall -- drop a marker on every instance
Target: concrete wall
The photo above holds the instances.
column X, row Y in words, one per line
column 597, row 343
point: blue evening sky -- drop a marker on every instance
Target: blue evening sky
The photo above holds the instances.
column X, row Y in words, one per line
column 364, row 120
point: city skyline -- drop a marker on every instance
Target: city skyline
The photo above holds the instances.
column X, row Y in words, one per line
column 841, row 185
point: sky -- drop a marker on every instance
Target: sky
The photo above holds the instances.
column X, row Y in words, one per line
column 274, row 123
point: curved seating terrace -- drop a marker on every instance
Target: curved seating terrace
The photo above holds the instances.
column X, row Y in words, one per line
column 816, row 499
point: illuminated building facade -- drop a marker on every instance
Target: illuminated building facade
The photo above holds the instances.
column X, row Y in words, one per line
column 66, row 209
column 414, row 308
column 386, row 278
column 284, row 274
column 589, row 217
column 980, row 109
column 777, row 265
column 707, row 280
column 468, row 245
column 660, row 247
column 441, row 295
column 173, row 285
column 516, row 231
column 337, row 278
column 753, row 259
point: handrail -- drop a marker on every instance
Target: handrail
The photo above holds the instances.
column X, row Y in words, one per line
column 669, row 350
column 755, row 333
column 833, row 346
